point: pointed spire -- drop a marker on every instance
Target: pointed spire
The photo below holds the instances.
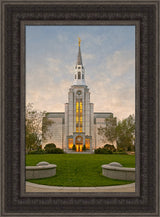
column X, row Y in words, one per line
column 79, row 58
column 79, row 75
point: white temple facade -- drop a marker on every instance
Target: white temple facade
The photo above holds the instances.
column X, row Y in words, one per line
column 76, row 129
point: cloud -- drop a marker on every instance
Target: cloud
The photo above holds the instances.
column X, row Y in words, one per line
column 114, row 94
column 69, row 69
column 113, row 98
column 44, row 89
column 109, row 64
column 53, row 64
column 48, row 84
column 88, row 56
column 120, row 63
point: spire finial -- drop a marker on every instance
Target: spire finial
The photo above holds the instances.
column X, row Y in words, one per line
column 79, row 41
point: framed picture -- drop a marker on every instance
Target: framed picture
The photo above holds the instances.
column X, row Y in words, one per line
column 99, row 75
column 22, row 19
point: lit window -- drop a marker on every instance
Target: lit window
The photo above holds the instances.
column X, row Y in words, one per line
column 79, row 118
column 87, row 143
column 70, row 143
column 80, row 105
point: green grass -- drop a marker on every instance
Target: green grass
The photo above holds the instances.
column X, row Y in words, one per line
column 82, row 170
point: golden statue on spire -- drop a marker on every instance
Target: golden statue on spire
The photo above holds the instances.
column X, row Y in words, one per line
column 79, row 41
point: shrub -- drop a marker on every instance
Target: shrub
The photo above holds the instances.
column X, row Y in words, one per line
column 74, row 148
column 120, row 150
column 131, row 148
column 84, row 148
column 97, row 151
column 49, row 148
column 110, row 147
column 103, row 151
column 58, row 151
column 38, row 152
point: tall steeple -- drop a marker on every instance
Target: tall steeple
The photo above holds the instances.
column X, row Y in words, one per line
column 79, row 57
column 79, row 76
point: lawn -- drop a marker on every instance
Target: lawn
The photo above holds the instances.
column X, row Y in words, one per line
column 82, row 170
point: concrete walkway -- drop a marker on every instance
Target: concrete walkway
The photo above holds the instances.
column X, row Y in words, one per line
column 32, row 187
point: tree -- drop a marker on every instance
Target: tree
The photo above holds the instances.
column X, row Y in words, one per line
column 109, row 131
column 34, row 127
column 125, row 131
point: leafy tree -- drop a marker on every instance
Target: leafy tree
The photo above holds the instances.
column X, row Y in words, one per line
column 34, row 127
column 109, row 131
column 46, row 122
column 32, row 142
column 125, row 131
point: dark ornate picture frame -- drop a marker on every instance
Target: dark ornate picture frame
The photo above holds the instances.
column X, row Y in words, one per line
column 14, row 16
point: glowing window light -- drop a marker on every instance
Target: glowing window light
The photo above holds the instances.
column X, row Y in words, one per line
column 79, row 118
column 87, row 143
column 80, row 148
column 70, row 143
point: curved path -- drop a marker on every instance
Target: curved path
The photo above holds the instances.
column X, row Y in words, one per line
column 32, row 187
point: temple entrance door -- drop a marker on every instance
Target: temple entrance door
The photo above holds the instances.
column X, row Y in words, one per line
column 79, row 148
column 79, row 143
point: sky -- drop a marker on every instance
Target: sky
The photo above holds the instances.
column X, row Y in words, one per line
column 108, row 55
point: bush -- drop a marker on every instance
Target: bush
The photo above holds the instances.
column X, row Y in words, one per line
column 131, row 148
column 102, row 151
column 58, row 151
column 84, row 148
column 49, row 148
column 38, row 152
column 74, row 148
column 120, row 150
column 110, row 147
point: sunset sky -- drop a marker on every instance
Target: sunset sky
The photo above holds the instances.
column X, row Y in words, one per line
column 108, row 55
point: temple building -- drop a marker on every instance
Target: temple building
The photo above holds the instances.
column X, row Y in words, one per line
column 76, row 129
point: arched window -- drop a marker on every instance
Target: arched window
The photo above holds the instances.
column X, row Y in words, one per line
column 79, row 75
column 75, row 76
column 82, row 76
